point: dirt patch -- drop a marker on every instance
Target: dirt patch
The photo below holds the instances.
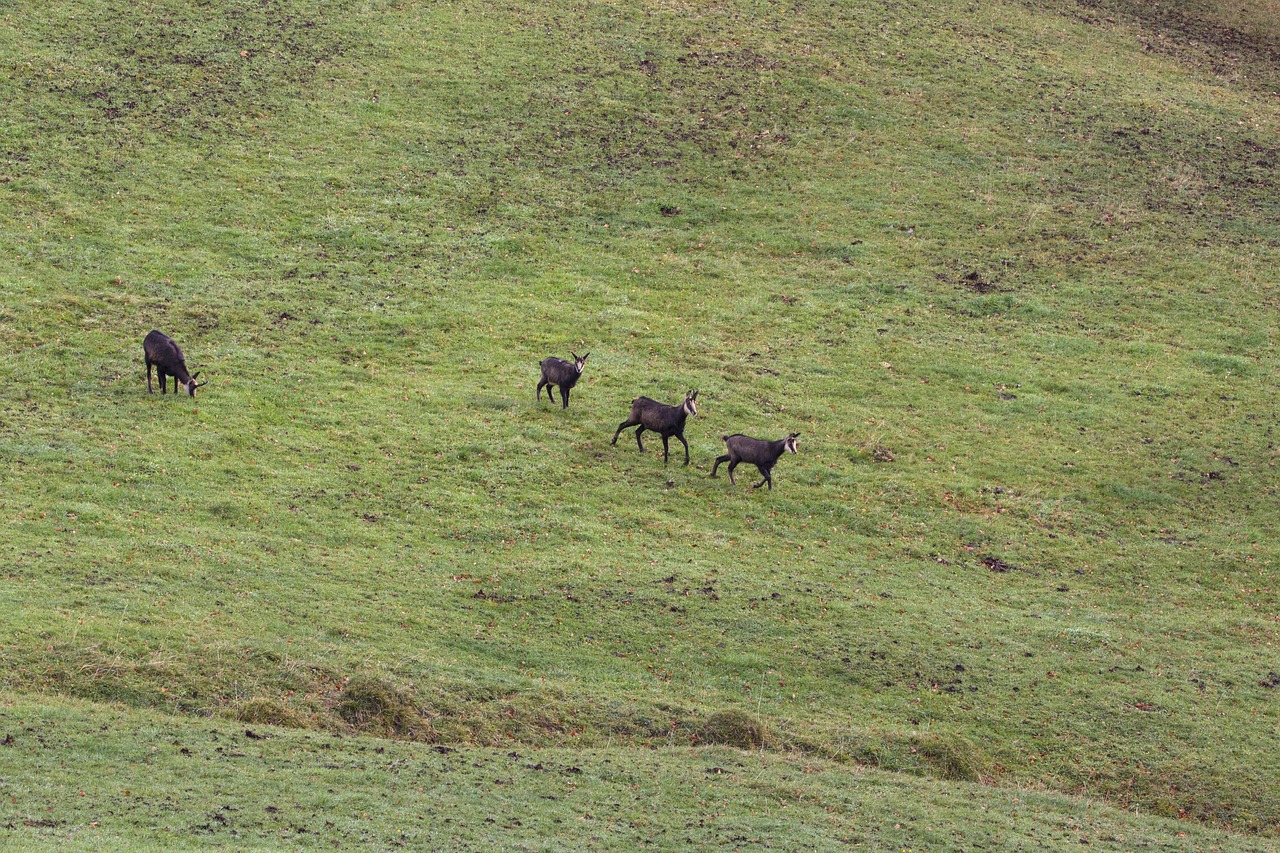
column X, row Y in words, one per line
column 996, row 564
column 746, row 58
column 880, row 453
column 978, row 283
column 1226, row 38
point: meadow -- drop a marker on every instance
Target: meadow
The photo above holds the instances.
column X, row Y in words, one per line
column 1008, row 268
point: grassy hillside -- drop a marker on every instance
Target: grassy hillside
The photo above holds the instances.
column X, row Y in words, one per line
column 1009, row 269
column 151, row 781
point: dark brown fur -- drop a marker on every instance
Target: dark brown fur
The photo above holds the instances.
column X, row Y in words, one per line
column 760, row 453
column 665, row 420
column 557, row 371
column 163, row 351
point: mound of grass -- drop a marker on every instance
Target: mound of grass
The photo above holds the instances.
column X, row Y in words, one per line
column 733, row 728
column 270, row 712
column 374, row 705
column 953, row 756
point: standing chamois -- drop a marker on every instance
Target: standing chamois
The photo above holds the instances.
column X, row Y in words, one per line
column 665, row 420
column 163, row 351
column 557, row 371
column 760, row 453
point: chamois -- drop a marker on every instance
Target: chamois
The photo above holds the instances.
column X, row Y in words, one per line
column 557, row 371
column 162, row 351
column 665, row 420
column 760, row 453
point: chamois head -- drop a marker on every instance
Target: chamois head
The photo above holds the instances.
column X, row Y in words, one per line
column 789, row 442
column 191, row 384
column 579, row 362
column 690, row 402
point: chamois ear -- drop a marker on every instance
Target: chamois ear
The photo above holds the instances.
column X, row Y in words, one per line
column 587, row 356
column 693, row 395
column 195, row 375
column 795, row 435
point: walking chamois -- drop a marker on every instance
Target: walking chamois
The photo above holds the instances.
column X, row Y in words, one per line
column 760, row 453
column 665, row 420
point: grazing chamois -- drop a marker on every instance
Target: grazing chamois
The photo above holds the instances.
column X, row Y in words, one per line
column 163, row 351
column 665, row 420
column 760, row 453
column 557, row 371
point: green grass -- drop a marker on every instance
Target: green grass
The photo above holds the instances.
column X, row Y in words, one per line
column 1007, row 269
column 146, row 781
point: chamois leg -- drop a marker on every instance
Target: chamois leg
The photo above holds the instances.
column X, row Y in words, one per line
column 539, row 392
column 639, row 443
column 665, row 438
column 733, row 463
column 164, row 379
column 564, row 395
column 767, row 478
column 621, row 427
column 149, row 389
column 686, row 448
column 720, row 459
